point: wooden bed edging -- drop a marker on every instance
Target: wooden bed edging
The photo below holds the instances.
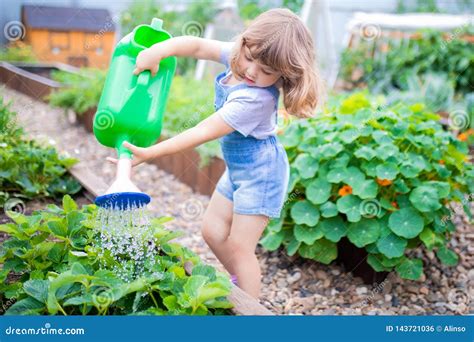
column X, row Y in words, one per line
column 244, row 304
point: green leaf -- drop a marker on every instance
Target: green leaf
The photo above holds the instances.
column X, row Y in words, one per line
column 304, row 212
column 27, row 306
column 363, row 232
column 365, row 152
column 306, row 234
column 374, row 261
column 353, row 176
column 272, row 240
column 410, row 269
column 333, row 228
column 406, row 223
column 306, row 165
column 365, row 189
column 328, row 209
column 387, row 171
column 322, row 250
column 350, row 205
column 447, row 256
column 430, row 239
column 38, row 289
column 69, row 204
column 318, row 191
column 392, row 246
column 293, row 247
column 336, row 175
column 425, row 199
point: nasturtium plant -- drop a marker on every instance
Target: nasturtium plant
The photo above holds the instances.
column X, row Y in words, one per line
column 384, row 180
column 52, row 264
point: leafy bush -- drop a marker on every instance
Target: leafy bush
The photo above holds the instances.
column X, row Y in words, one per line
column 81, row 91
column 50, row 265
column 396, row 61
column 27, row 169
column 19, row 52
column 382, row 176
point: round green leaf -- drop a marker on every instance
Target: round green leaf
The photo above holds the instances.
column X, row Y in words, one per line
column 333, row 228
column 425, row 198
column 387, row 171
column 318, row 191
column 363, row 232
column 447, row 256
column 304, row 212
column 374, row 261
column 392, row 246
column 353, row 176
column 306, row 234
column 365, row 189
column 349, row 205
column 272, row 240
column 406, row 222
column 336, row 175
column 322, row 250
column 306, row 165
column 365, row 152
column 328, row 209
column 410, row 269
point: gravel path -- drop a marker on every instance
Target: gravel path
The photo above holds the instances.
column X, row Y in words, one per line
column 291, row 285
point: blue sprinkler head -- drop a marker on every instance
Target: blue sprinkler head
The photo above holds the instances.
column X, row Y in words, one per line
column 122, row 200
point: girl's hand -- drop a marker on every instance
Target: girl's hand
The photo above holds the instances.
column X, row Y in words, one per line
column 147, row 59
column 140, row 154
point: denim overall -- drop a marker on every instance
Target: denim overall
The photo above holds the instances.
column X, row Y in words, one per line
column 257, row 170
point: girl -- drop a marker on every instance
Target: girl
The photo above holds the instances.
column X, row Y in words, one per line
column 273, row 55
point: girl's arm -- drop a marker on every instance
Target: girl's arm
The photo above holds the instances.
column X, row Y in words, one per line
column 210, row 128
column 183, row 46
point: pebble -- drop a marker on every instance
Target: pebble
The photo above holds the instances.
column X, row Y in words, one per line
column 294, row 277
column 321, row 275
column 424, row 290
column 361, row 290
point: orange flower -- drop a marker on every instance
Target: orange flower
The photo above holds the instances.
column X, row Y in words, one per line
column 395, row 204
column 441, row 162
column 470, row 131
column 345, row 190
column 462, row 137
column 384, row 182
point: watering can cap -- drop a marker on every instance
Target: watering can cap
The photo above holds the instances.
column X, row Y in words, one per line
column 157, row 24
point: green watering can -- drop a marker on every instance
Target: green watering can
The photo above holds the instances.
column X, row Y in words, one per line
column 131, row 109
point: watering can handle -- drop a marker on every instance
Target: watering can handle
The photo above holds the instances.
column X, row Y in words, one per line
column 143, row 79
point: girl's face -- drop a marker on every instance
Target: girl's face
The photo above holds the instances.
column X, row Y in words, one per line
column 256, row 74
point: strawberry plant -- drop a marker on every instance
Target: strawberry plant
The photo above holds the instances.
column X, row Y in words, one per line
column 51, row 264
column 382, row 176
column 28, row 169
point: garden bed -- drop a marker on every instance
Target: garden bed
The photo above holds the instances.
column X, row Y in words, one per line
column 32, row 79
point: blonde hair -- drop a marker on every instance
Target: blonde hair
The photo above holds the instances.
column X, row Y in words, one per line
column 280, row 40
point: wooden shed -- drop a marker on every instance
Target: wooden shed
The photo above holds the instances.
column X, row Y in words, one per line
column 72, row 35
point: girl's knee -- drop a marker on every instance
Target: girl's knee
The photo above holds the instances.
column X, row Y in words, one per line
column 239, row 248
column 213, row 232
